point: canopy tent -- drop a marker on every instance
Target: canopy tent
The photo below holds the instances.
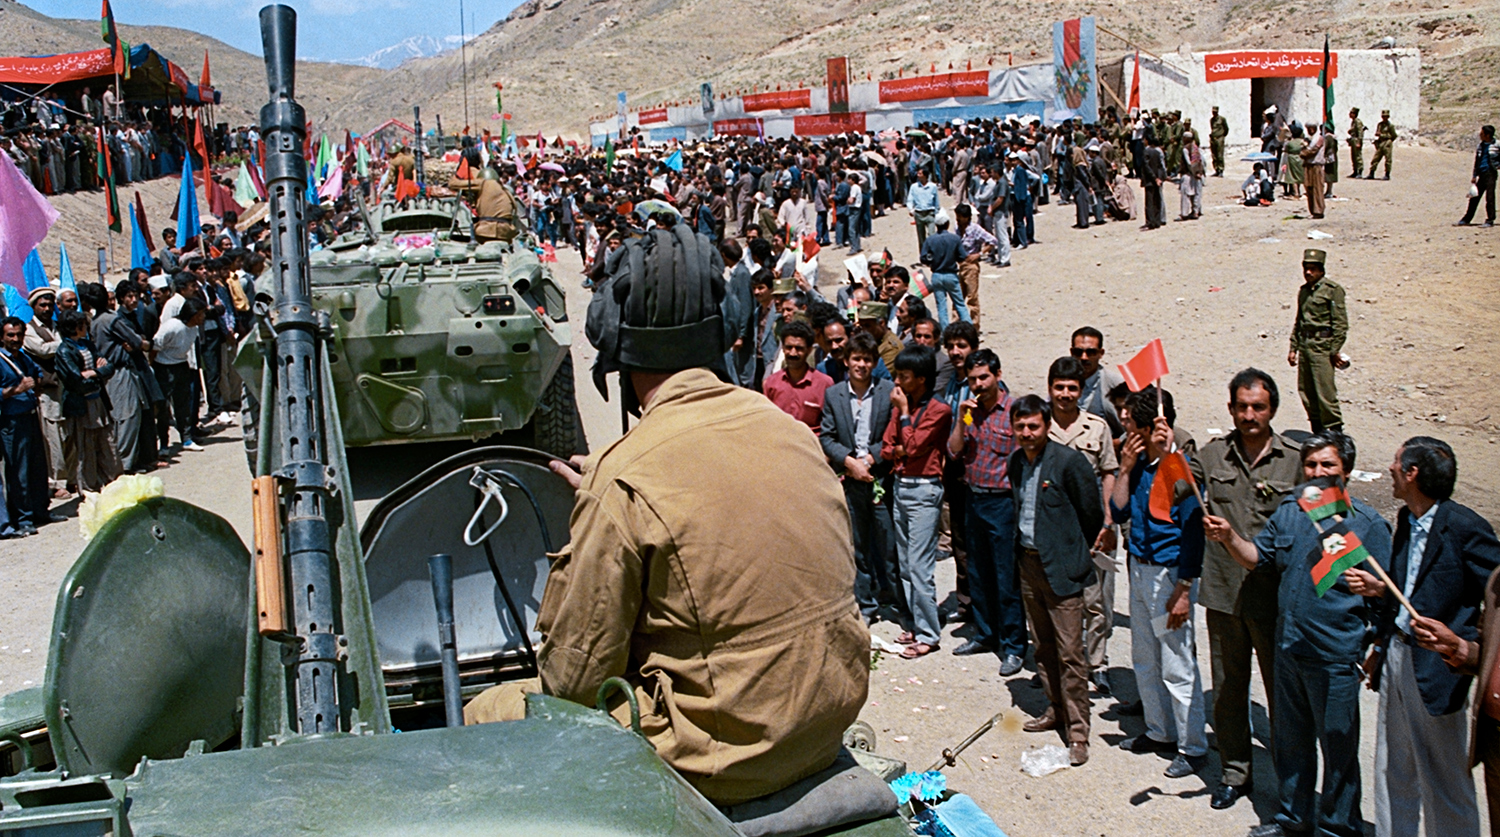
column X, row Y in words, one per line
column 153, row 79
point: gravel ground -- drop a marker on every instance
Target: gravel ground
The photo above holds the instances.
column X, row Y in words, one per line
column 1219, row 292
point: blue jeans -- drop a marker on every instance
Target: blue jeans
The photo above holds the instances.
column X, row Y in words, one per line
column 823, row 228
column 994, row 586
column 840, row 227
column 1318, row 701
column 1025, row 218
column 851, row 231
column 947, row 285
column 918, row 511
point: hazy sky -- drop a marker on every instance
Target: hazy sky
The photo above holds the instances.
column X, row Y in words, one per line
column 326, row 29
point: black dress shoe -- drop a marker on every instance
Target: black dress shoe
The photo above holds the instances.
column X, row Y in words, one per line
column 1101, row 681
column 1269, row 829
column 1226, row 795
column 971, row 647
column 1144, row 743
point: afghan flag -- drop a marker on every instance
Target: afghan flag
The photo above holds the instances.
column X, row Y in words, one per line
column 106, row 174
column 1323, row 498
column 1341, row 550
column 111, row 35
column 1325, row 81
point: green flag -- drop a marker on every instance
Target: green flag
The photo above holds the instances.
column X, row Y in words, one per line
column 1325, row 80
column 609, row 154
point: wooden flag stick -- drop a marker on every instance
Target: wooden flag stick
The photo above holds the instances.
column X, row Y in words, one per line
column 1380, row 571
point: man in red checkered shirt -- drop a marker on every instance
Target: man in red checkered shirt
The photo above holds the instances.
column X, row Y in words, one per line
column 797, row 388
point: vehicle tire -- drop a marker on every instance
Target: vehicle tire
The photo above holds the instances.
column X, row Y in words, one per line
column 555, row 425
column 860, row 736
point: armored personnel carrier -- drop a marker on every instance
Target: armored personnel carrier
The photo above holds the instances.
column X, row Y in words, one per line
column 435, row 336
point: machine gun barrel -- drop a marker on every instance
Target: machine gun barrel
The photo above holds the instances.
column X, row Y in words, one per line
column 440, row 567
column 420, row 146
column 314, row 660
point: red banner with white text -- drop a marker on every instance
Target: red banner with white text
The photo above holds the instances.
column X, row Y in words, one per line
column 1218, row 66
column 827, row 124
column 939, row 86
column 651, row 117
column 738, row 127
column 778, row 100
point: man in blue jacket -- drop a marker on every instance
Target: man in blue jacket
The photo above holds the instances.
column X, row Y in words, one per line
column 1442, row 556
column 27, row 492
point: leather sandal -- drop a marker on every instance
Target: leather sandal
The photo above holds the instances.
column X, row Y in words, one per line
column 920, row 649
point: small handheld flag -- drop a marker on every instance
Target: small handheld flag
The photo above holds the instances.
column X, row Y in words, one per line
column 1323, row 498
column 1172, row 470
column 1146, row 368
column 1341, row 550
column 36, row 277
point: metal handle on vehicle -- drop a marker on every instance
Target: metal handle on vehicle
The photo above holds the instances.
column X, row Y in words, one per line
column 492, row 490
column 601, row 701
column 28, row 758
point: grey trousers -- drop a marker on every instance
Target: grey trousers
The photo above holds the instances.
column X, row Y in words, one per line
column 1421, row 765
column 1166, row 667
column 918, row 511
column 1099, row 617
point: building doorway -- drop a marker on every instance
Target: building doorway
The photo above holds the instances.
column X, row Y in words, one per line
column 1257, row 106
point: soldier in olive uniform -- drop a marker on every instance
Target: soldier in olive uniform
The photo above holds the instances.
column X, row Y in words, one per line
column 1317, row 336
column 1173, row 147
column 1356, row 144
column 1218, row 131
column 1385, row 138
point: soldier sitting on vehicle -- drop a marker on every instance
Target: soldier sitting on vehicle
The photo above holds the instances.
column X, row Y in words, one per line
column 495, row 219
column 741, row 639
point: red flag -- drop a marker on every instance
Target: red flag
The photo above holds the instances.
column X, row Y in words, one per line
column 203, row 80
column 198, row 144
column 1146, row 368
column 1135, row 84
column 1172, row 470
column 404, row 188
column 810, row 247
column 140, row 218
column 463, row 169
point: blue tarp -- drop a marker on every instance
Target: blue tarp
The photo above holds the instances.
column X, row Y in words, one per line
column 1026, row 111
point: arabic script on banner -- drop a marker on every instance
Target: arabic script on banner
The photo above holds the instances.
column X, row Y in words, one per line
column 737, row 127
column 1218, row 66
column 651, row 117
column 940, row 86
column 778, row 100
column 825, row 124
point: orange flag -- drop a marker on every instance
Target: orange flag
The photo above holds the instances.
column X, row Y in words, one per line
column 198, row 143
column 463, row 169
column 1172, row 470
column 404, row 188
column 1146, row 368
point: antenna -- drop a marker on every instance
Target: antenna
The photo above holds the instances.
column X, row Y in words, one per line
column 463, row 55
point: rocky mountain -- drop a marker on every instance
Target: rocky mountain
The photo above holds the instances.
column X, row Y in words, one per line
column 562, row 61
column 325, row 90
column 417, row 46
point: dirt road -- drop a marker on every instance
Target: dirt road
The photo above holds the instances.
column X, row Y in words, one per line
column 1219, row 291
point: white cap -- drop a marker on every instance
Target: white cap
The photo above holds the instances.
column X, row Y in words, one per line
column 157, row 282
column 942, row 219
column 1092, row 146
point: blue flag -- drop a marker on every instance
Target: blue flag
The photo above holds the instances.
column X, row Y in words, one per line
column 15, row 304
column 312, row 191
column 187, row 205
column 674, row 161
column 65, row 270
column 32, row 270
column 140, row 251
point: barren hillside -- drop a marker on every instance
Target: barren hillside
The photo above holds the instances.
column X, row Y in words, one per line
column 324, row 89
column 562, row 61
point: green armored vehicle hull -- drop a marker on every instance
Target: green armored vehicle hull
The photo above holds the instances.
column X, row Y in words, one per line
column 438, row 338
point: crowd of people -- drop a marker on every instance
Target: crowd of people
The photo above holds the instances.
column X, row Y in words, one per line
column 1034, row 492
column 55, row 141
column 102, row 381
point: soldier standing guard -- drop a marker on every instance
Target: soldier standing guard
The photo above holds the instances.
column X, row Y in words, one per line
column 1385, row 137
column 1317, row 336
column 1356, row 144
column 1218, row 130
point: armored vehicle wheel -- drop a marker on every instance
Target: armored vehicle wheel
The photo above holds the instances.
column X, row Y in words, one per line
column 860, row 736
column 555, row 423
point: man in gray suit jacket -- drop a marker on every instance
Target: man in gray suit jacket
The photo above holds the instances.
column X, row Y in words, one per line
column 855, row 414
column 1058, row 515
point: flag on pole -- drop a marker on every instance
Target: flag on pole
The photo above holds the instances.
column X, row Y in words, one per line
column 674, row 161
column 1146, row 368
column 1341, row 550
column 117, row 50
column 24, row 223
column 333, row 187
column 609, row 154
column 244, row 187
column 140, row 250
column 198, row 143
column 463, row 172
column 106, row 174
column 362, row 159
column 260, row 184
column 311, row 194
column 1170, row 472
column 1135, row 84
column 404, row 188
column 1323, row 498
column 187, row 206
column 1325, row 80
column 15, row 303
column 140, row 217
column 65, row 270
column 203, row 80
column 325, row 159
column 36, row 277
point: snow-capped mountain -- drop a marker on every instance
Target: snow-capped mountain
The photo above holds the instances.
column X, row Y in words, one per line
column 417, row 46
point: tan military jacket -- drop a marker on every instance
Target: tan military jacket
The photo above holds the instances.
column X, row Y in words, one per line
column 712, row 565
column 495, row 209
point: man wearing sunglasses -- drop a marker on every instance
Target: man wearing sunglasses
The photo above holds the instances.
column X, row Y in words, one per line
column 1088, row 348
